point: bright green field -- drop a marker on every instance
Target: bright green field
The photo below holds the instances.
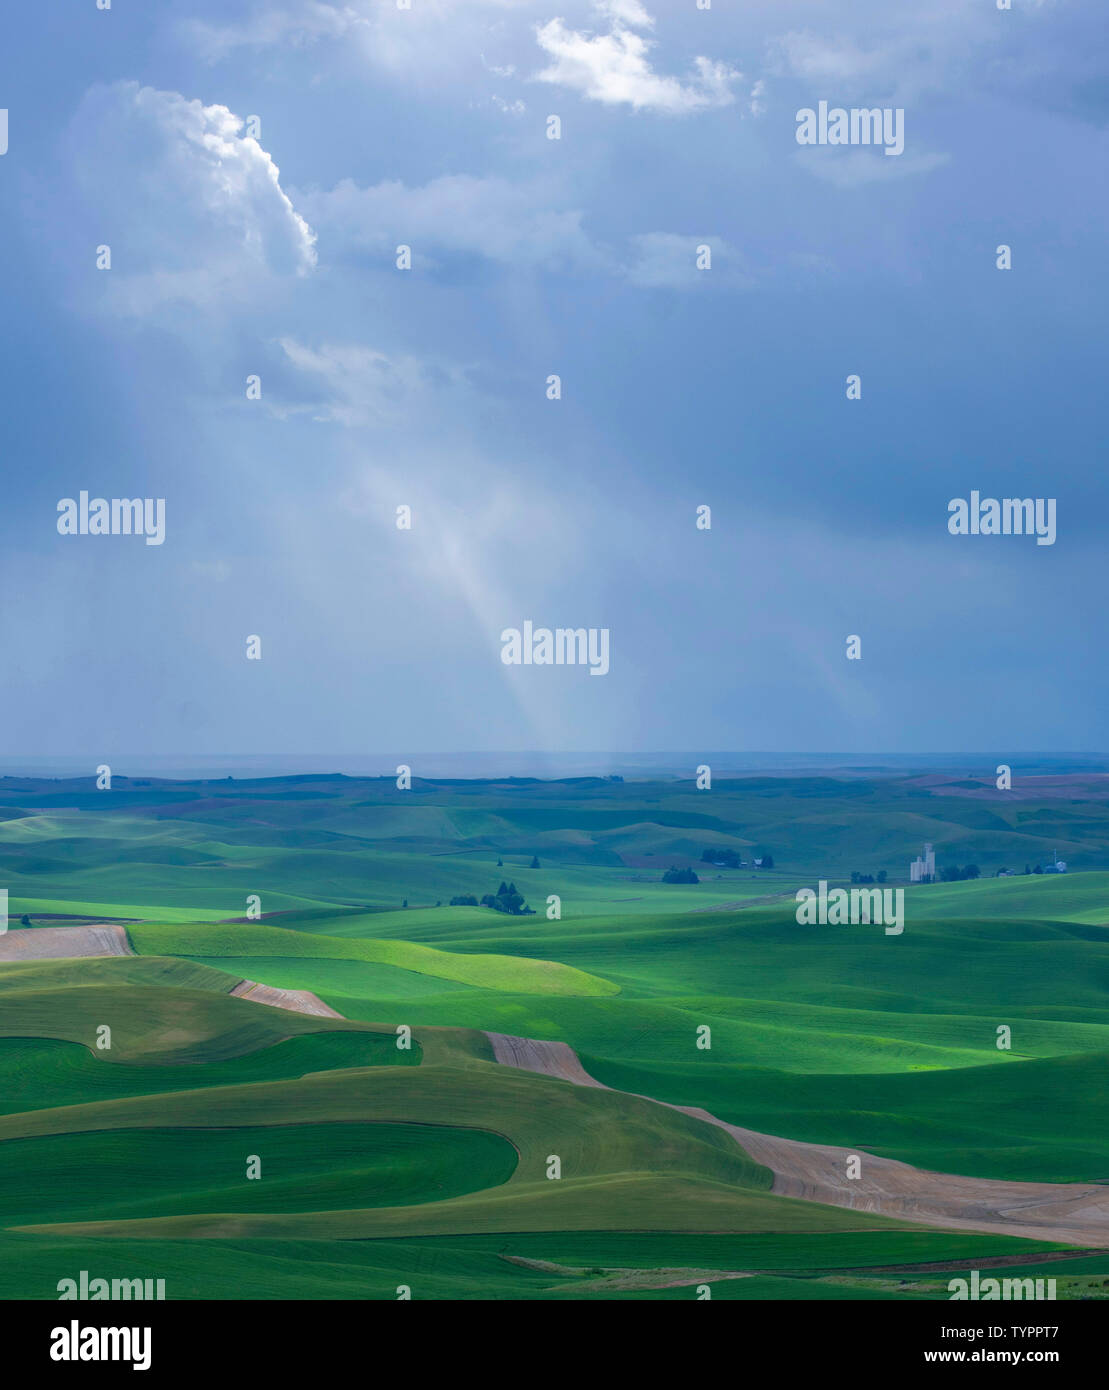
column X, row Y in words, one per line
column 304, row 1168
column 429, row 1167
column 37, row 1073
column 485, row 971
column 31, row 1266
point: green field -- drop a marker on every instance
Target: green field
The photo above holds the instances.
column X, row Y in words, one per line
column 428, row 1166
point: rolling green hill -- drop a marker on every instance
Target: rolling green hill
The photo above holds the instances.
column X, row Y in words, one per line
column 485, row 971
column 429, row 1166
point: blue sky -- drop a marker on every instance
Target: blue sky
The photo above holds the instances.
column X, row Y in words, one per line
column 275, row 256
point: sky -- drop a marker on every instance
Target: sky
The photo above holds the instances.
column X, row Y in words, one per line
column 254, row 168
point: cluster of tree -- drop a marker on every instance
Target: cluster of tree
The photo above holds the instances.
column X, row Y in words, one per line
column 673, row 875
column 507, row 899
column 879, row 877
column 953, row 874
column 730, row 859
column 722, row 858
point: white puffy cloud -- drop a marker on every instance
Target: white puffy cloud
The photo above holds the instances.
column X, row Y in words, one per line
column 511, row 224
column 490, row 217
column 615, row 67
column 192, row 208
column 630, row 12
column 360, row 386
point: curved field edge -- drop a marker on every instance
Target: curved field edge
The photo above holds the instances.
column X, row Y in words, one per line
column 172, row 1171
column 1025, row 1122
column 608, row 1144
column 160, row 1026
column 41, row 1073
column 485, row 971
column 463, row 1267
column 597, row 1132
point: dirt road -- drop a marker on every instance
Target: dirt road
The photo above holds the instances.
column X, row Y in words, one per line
column 1076, row 1213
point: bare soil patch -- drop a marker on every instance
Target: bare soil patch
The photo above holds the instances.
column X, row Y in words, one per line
column 63, row 943
column 1074, row 1213
column 300, row 1001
